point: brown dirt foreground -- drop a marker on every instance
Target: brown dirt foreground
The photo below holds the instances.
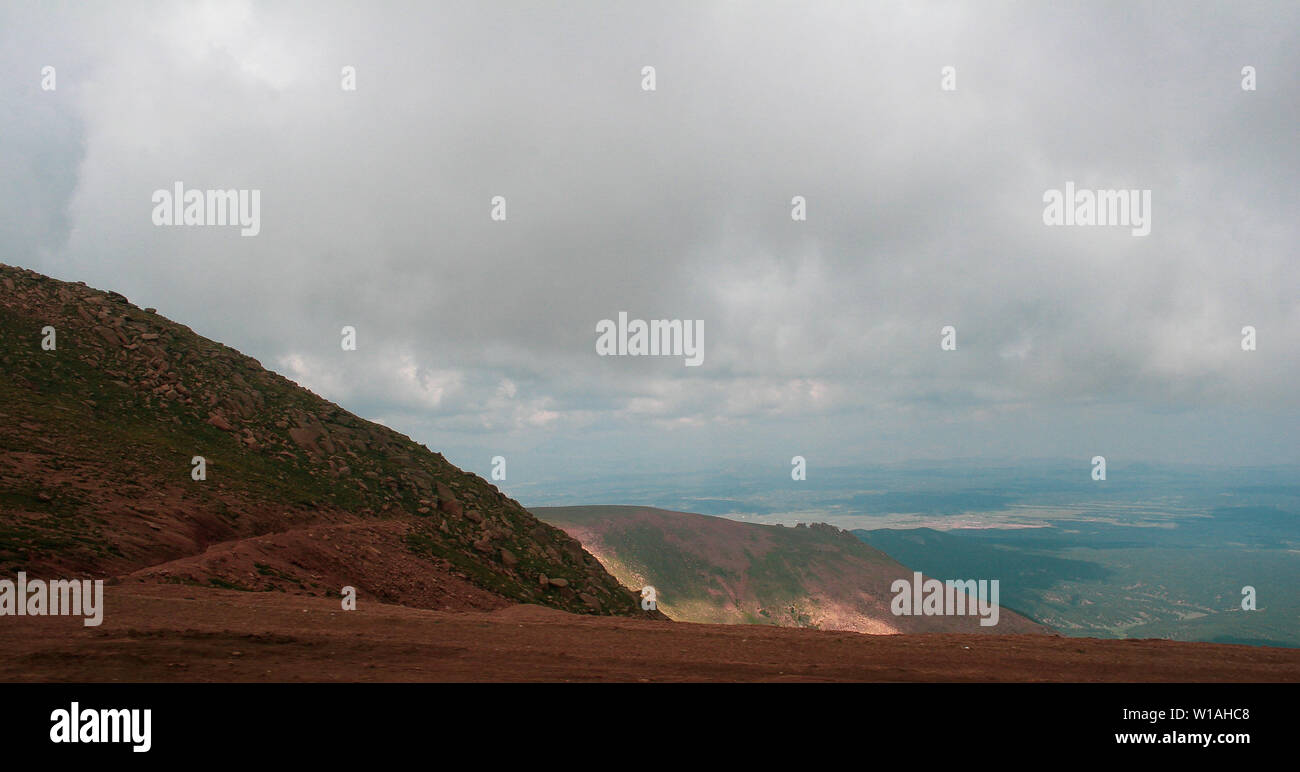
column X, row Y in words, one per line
column 179, row 633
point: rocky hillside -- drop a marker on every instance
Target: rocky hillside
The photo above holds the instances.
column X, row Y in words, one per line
column 711, row 569
column 99, row 432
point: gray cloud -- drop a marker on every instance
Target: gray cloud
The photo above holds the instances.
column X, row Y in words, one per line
column 821, row 337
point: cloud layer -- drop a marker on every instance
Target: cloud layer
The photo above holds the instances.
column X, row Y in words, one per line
column 924, row 210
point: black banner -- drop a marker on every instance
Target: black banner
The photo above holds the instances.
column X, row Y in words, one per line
column 237, row 722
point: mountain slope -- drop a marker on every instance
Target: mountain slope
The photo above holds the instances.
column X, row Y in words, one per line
column 711, row 569
column 97, row 437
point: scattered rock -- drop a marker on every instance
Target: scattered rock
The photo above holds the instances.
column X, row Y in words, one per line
column 219, row 421
column 447, row 502
column 109, row 335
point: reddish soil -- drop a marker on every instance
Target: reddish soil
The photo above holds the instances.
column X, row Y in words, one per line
column 321, row 559
column 180, row 633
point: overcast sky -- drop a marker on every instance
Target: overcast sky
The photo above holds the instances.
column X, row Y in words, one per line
column 821, row 337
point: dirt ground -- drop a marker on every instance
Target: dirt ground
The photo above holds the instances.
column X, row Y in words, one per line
column 179, row 633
